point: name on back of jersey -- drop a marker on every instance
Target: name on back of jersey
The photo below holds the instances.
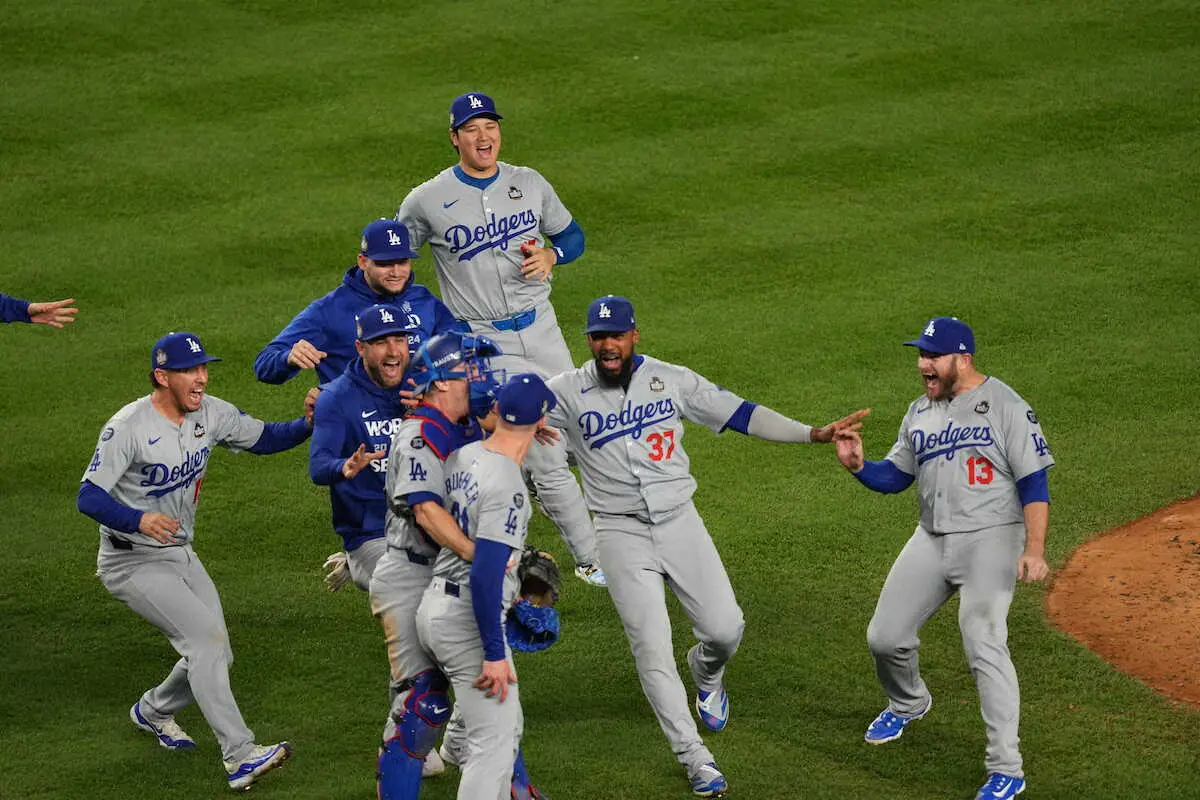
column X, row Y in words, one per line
column 599, row 428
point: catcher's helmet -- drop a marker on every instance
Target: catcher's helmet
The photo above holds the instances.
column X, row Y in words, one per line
column 439, row 359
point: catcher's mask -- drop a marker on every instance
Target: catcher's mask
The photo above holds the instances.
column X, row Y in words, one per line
column 439, row 357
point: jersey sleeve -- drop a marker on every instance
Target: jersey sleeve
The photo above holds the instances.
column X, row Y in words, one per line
column 232, row 428
column 327, row 450
column 503, row 513
column 415, row 472
column 702, row 401
column 901, row 455
column 555, row 216
column 271, row 364
column 557, row 417
column 411, row 214
column 114, row 453
column 1025, row 445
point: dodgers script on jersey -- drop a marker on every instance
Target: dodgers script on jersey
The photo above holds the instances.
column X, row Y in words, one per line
column 485, row 493
column 630, row 444
column 968, row 454
column 476, row 237
column 147, row 462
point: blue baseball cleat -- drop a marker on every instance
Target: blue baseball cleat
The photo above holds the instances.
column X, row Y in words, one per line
column 168, row 732
column 713, row 708
column 262, row 759
column 888, row 726
column 707, row 781
column 1000, row 787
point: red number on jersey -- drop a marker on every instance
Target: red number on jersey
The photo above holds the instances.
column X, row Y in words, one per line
column 656, row 442
column 979, row 470
column 196, row 493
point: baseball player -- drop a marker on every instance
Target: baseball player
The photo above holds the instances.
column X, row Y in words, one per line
column 448, row 369
column 55, row 313
column 460, row 621
column 623, row 416
column 353, row 423
column 322, row 336
column 142, row 486
column 496, row 232
column 979, row 457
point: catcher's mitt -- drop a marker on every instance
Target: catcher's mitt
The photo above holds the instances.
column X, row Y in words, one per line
column 533, row 620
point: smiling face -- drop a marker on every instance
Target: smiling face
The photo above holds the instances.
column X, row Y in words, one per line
column 181, row 391
column 385, row 277
column 613, row 352
column 478, row 143
column 385, row 359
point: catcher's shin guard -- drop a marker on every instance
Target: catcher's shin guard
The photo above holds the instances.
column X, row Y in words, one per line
column 419, row 712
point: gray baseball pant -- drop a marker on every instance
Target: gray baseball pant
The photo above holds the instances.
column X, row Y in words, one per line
column 448, row 630
column 170, row 588
column 363, row 559
column 640, row 559
column 982, row 567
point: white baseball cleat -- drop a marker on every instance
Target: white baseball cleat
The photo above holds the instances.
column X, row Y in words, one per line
column 168, row 732
column 450, row 755
column 433, row 765
column 591, row 575
column 261, row 760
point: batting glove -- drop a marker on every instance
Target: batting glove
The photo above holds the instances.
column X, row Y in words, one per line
column 337, row 572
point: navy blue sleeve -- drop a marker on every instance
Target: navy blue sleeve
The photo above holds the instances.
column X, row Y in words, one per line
column 278, row 436
column 1034, row 488
column 13, row 310
column 271, row 365
column 883, row 476
column 741, row 418
column 100, row 506
column 444, row 320
column 487, row 595
column 568, row 243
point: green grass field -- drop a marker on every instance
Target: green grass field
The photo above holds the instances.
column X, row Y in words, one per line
column 786, row 191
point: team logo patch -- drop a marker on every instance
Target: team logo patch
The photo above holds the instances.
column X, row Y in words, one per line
column 518, row 499
column 1032, row 417
column 108, row 434
column 160, row 356
column 982, row 407
column 199, row 431
column 417, row 443
column 657, row 385
column 514, row 193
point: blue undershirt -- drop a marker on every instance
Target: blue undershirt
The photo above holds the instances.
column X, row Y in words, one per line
column 487, row 594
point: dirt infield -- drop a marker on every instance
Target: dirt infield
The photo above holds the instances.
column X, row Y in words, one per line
column 1133, row 596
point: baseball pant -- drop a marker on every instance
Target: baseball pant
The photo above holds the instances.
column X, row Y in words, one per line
column 396, row 590
column 540, row 348
column 640, row 559
column 170, row 588
column 982, row 567
column 363, row 559
column 448, row 630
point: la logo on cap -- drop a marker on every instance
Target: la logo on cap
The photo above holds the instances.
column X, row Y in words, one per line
column 928, row 329
column 605, row 313
column 475, row 101
column 193, row 344
column 393, row 239
column 385, row 316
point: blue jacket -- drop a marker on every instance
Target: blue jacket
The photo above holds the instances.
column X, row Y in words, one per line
column 328, row 323
column 353, row 410
column 13, row 310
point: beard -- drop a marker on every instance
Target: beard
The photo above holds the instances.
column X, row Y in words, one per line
column 943, row 385
column 615, row 379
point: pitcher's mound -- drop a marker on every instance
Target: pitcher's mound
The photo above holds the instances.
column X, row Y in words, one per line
column 1133, row 596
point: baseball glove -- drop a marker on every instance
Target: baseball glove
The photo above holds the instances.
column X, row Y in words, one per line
column 533, row 623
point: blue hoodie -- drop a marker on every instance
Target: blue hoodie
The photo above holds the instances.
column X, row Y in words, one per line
column 353, row 410
column 328, row 324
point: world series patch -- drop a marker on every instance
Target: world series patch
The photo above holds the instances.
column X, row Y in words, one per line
column 1032, row 417
column 982, row 407
column 518, row 499
column 417, row 443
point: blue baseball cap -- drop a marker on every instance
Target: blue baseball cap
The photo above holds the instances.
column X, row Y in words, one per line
column 611, row 314
column 179, row 351
column 944, row 335
column 470, row 105
column 380, row 320
column 386, row 240
column 525, row 398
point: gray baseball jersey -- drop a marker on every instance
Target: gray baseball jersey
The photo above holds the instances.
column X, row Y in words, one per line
column 413, row 468
column 147, row 462
column 476, row 237
column 968, row 455
column 629, row 445
column 486, row 494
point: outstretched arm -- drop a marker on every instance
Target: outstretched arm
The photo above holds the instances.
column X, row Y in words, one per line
column 881, row 476
column 766, row 423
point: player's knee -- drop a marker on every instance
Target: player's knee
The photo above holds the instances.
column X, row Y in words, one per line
column 982, row 626
column 726, row 638
column 884, row 642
